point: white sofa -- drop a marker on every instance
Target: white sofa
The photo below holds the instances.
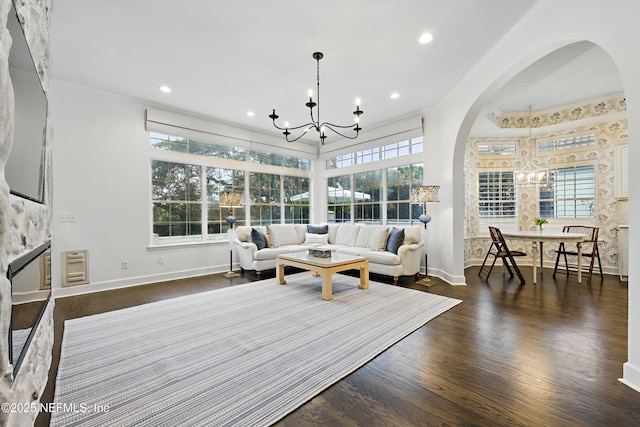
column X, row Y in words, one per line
column 362, row 240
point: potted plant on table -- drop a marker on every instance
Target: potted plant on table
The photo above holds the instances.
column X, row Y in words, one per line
column 539, row 222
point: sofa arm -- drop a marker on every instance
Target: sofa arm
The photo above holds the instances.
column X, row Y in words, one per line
column 246, row 251
column 411, row 256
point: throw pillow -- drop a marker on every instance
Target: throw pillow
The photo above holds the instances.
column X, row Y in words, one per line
column 258, row 238
column 318, row 229
column 313, row 238
column 379, row 239
column 396, row 238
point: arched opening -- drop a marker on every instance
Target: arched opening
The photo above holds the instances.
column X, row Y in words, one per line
column 565, row 112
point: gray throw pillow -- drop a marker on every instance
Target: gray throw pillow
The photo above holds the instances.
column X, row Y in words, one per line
column 396, row 238
column 258, row 238
column 318, row 229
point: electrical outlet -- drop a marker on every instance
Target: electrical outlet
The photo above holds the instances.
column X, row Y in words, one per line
column 160, row 260
column 124, row 264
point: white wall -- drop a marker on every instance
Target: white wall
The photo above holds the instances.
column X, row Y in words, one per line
column 548, row 26
column 102, row 176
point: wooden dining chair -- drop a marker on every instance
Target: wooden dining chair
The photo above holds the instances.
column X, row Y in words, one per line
column 591, row 237
column 499, row 249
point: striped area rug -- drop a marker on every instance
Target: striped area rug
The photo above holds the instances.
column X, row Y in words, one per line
column 245, row 355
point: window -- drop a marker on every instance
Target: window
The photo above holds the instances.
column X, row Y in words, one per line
column 565, row 143
column 400, row 179
column 279, row 160
column 402, row 148
column 296, row 199
column 570, row 193
column 339, row 199
column 184, row 145
column 496, row 194
column 264, row 198
column 497, row 149
column 367, row 197
column 176, row 193
column 220, row 180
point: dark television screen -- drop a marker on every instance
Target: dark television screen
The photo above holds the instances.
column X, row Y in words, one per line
column 25, row 167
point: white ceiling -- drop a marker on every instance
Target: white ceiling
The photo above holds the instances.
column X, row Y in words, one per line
column 224, row 58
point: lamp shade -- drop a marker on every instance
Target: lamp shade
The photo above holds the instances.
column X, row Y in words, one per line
column 231, row 198
column 425, row 194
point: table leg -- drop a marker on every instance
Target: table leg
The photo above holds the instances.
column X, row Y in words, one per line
column 364, row 277
column 579, row 244
column 280, row 274
column 541, row 256
column 534, row 253
column 327, row 293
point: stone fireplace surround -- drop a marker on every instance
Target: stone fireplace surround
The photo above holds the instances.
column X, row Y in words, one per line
column 24, row 225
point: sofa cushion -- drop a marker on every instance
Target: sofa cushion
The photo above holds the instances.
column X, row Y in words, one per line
column 396, row 238
column 379, row 239
column 258, row 238
column 367, row 234
column 316, row 239
column 352, row 250
column 318, row 229
column 347, row 235
column 283, row 234
column 412, row 234
column 271, row 253
column 382, row 257
column 333, row 232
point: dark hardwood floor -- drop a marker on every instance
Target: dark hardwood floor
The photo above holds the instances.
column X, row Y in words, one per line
column 548, row 354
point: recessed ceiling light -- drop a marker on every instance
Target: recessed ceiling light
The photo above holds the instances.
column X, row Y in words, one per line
column 426, row 38
column 250, row 113
column 165, row 89
column 395, row 95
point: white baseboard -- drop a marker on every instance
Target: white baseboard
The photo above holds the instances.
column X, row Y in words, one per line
column 631, row 376
column 136, row 281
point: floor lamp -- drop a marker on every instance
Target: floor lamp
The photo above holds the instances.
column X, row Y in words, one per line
column 425, row 194
column 230, row 199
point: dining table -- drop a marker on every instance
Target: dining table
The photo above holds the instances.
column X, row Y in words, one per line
column 540, row 237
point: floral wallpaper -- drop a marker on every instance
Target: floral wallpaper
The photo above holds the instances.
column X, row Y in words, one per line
column 607, row 215
column 540, row 119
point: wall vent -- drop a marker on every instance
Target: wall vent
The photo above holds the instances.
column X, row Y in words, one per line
column 45, row 268
column 75, row 267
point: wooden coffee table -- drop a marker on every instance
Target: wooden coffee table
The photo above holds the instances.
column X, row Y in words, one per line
column 324, row 267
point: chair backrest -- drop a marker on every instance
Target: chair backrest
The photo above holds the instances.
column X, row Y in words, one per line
column 591, row 233
column 498, row 239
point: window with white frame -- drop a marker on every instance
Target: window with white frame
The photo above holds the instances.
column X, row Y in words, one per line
column 496, row 194
column 177, row 200
column 367, row 197
column 339, row 198
column 567, row 142
column 185, row 196
column 264, row 198
column 296, row 199
column 221, row 180
column 497, row 149
column 571, row 193
column 396, row 149
column 400, row 180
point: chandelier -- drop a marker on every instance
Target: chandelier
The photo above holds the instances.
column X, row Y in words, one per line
column 315, row 123
column 531, row 174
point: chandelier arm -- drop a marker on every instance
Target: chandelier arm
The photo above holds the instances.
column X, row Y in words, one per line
column 328, row 126
column 294, row 128
column 299, row 136
column 339, row 126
